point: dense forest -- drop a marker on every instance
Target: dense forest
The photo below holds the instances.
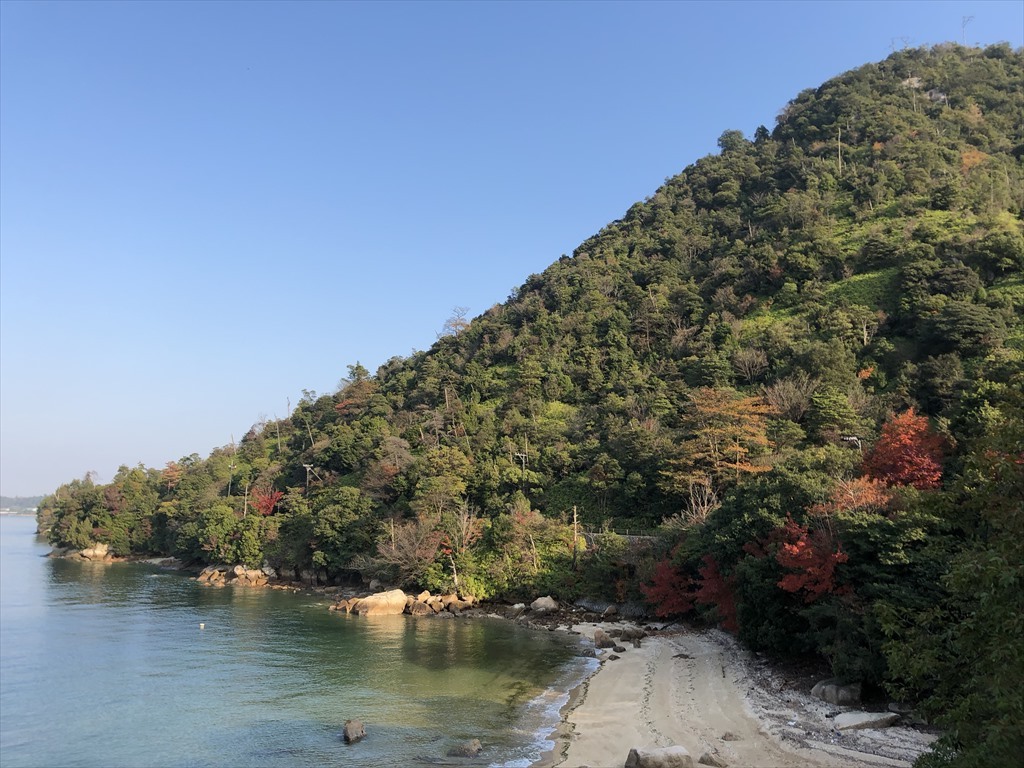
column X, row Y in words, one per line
column 797, row 369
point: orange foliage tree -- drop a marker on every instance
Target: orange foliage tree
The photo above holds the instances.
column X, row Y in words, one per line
column 907, row 453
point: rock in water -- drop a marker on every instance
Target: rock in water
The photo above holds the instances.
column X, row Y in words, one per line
column 469, row 748
column 659, row 757
column 389, row 603
column 353, row 731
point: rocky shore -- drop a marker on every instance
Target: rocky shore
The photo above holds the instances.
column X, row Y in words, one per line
column 661, row 695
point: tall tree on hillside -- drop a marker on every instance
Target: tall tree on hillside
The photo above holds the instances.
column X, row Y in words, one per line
column 724, row 436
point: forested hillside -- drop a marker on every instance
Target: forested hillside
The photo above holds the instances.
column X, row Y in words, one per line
column 799, row 364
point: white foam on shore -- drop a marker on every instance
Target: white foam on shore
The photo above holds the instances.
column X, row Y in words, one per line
column 544, row 713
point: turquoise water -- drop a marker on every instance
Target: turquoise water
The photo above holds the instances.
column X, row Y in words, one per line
column 105, row 665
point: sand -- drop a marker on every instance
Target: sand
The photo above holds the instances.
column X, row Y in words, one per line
column 702, row 691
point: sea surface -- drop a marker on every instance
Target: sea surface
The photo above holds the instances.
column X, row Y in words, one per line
column 106, row 665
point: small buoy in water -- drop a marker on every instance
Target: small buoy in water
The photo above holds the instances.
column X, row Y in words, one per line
column 202, row 625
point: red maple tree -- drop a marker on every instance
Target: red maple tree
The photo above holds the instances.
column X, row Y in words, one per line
column 717, row 591
column 265, row 499
column 907, row 453
column 670, row 593
column 812, row 557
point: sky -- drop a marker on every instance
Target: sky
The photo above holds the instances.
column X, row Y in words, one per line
column 208, row 208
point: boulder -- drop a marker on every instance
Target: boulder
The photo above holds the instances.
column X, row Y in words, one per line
column 95, row 552
column 517, row 610
column 457, row 606
column 239, row 571
column 848, row 721
column 837, row 693
column 610, row 612
column 601, row 639
column 469, row 748
column 269, row 572
column 389, row 603
column 659, row 757
column 713, row 760
column 420, row 609
column 353, row 731
column 544, row 605
column 619, row 648
column 423, row 596
column 632, row 633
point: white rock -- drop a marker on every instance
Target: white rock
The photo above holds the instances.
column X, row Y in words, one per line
column 544, row 605
column 850, row 720
column 659, row 757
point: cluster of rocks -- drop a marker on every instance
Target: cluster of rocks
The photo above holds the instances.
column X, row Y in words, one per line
column 849, row 695
column 603, row 639
column 669, row 757
column 237, row 575
column 394, row 602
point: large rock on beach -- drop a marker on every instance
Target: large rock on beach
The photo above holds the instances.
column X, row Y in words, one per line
column 659, row 757
column 389, row 603
column 835, row 692
column 602, row 640
column 353, row 731
column 545, row 604
column 849, row 721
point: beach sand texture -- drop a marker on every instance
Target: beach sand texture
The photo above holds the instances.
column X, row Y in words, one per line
column 702, row 691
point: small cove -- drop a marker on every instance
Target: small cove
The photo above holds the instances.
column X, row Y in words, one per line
column 105, row 665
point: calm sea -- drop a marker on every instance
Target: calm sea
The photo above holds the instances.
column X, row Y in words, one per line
column 105, row 665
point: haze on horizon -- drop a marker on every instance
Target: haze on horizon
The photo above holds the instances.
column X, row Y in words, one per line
column 207, row 208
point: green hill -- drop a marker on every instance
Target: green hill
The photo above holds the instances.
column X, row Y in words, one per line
column 798, row 363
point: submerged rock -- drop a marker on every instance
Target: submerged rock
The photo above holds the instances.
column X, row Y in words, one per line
column 353, row 731
column 469, row 748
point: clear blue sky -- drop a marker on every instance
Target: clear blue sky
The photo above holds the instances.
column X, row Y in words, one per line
column 206, row 208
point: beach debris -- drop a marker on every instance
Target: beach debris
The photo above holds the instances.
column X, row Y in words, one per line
column 730, row 736
column 353, row 731
column 713, row 760
column 682, row 656
column 613, row 657
column 659, row 757
column 469, row 748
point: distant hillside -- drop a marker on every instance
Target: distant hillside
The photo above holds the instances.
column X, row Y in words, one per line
column 22, row 503
column 799, row 365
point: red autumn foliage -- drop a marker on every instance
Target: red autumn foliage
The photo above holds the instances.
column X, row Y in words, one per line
column 670, row 593
column 907, row 453
column 813, row 557
column 265, row 500
column 717, row 591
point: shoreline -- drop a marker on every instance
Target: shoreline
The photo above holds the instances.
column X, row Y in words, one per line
column 699, row 689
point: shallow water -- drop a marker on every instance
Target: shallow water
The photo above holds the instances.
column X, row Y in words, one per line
column 106, row 665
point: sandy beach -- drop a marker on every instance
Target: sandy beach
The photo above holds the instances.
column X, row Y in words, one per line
column 700, row 690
